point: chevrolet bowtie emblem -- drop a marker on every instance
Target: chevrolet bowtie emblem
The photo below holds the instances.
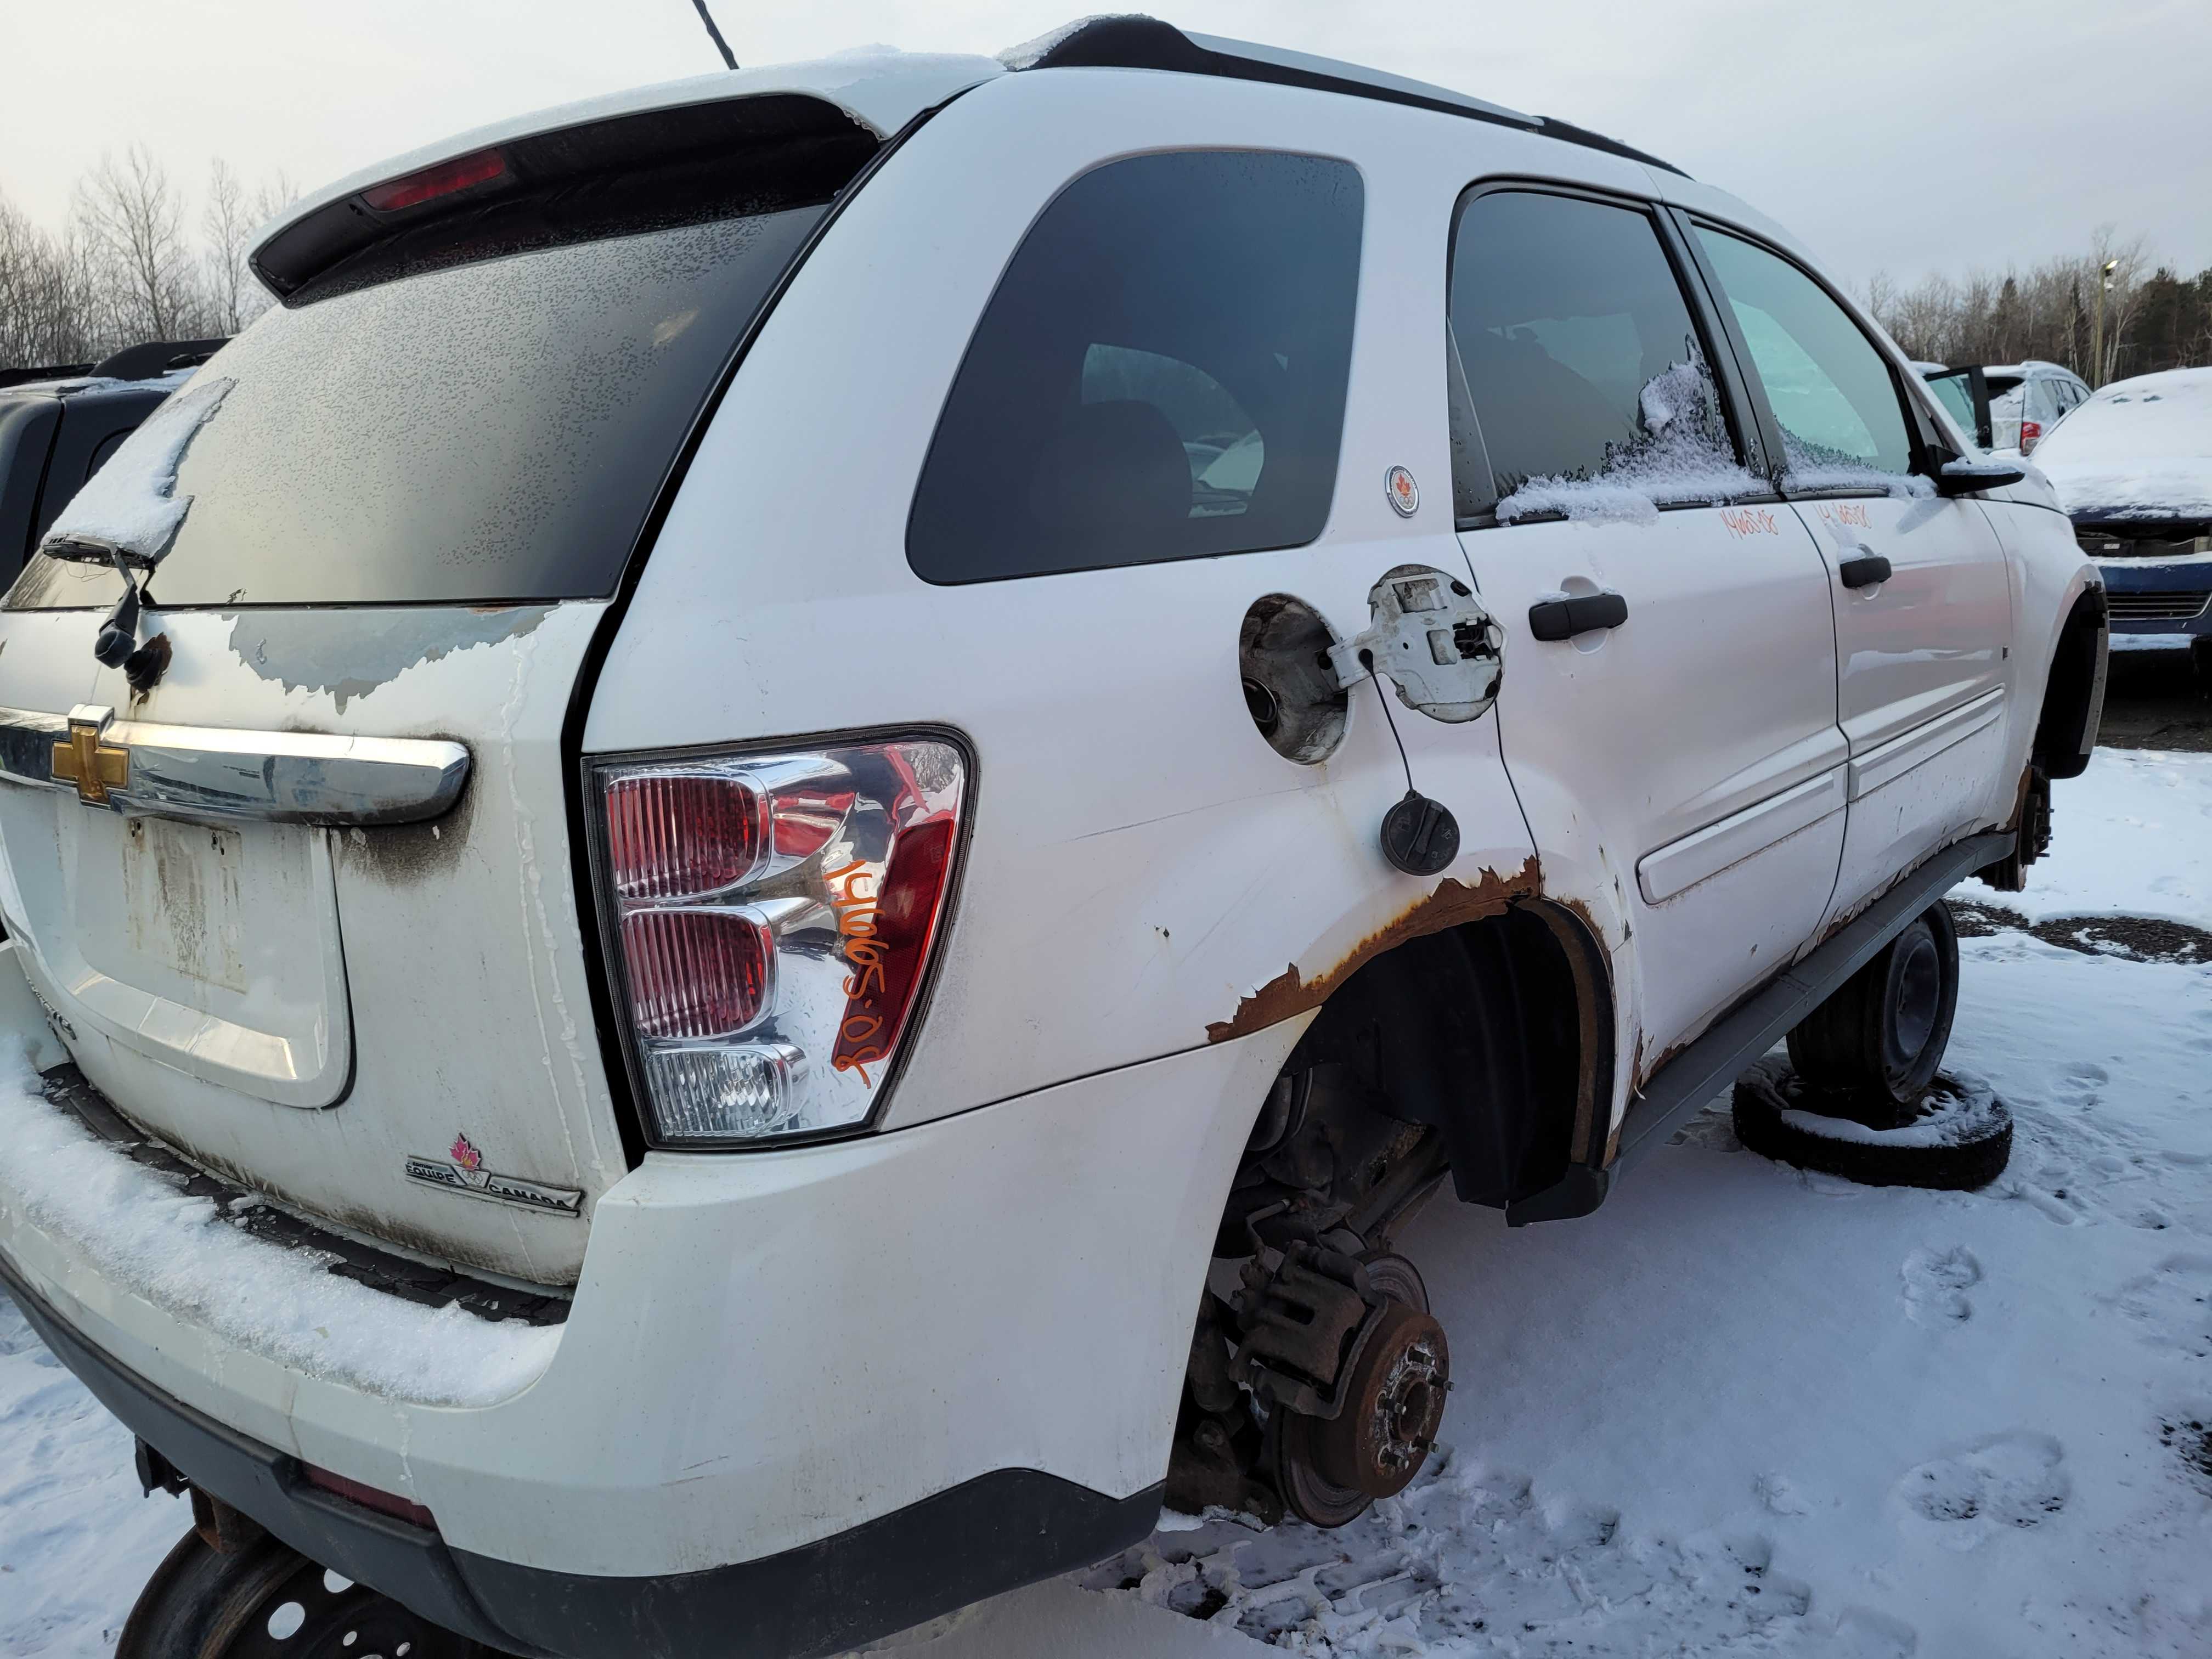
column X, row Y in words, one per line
column 92, row 766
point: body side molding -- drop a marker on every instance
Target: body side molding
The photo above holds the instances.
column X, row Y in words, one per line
column 1686, row 1084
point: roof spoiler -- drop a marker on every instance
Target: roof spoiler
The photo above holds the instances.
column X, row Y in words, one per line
column 1133, row 42
column 646, row 170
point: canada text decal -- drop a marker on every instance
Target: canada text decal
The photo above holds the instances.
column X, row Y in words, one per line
column 462, row 1170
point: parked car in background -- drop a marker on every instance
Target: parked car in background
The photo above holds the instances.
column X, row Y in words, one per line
column 2028, row 399
column 58, row 424
column 822, row 869
column 2133, row 469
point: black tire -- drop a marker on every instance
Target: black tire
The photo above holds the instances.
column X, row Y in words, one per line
column 202, row 1604
column 1959, row 1140
column 1879, row 1037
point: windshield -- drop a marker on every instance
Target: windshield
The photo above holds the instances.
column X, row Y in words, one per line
column 485, row 432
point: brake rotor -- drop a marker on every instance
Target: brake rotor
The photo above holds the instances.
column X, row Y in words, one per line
column 1329, row 1470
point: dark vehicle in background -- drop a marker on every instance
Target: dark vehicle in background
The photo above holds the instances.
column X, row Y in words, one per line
column 2133, row 469
column 57, row 424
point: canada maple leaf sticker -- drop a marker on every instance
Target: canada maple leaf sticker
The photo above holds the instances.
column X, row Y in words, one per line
column 464, row 1154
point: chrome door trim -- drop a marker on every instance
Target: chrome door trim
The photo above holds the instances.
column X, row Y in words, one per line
column 262, row 777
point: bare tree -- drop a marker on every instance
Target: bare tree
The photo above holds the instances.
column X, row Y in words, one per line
column 278, row 192
column 129, row 217
column 2119, row 267
column 46, row 295
column 1881, row 296
column 227, row 225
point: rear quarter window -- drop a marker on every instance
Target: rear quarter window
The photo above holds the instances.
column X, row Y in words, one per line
column 1159, row 375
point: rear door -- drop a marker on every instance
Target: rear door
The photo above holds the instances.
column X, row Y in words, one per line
column 301, row 901
column 1668, row 708
column 1919, row 584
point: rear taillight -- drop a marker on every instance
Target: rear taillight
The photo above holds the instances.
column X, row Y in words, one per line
column 774, row 918
column 2031, row 433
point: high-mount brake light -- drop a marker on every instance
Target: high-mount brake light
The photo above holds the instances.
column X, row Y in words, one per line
column 444, row 178
column 776, row 916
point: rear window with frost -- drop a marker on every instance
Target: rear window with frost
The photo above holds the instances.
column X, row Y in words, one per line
column 490, row 432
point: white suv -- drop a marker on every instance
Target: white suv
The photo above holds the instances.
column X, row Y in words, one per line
column 817, row 794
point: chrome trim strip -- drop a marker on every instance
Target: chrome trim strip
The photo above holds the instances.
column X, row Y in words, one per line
column 263, row 777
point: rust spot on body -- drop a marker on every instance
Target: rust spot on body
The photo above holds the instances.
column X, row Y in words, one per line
column 1658, row 1065
column 1450, row 903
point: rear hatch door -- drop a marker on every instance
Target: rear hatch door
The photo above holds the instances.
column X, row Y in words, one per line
column 303, row 905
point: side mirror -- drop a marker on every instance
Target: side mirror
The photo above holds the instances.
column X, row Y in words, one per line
column 1970, row 477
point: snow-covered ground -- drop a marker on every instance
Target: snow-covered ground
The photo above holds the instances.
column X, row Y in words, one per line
column 1740, row 1410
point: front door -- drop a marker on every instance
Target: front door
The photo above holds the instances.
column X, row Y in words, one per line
column 1919, row 583
column 1668, row 708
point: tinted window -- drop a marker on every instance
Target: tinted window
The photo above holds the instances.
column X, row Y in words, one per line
column 1160, row 374
column 492, row 431
column 1830, row 388
column 1578, row 362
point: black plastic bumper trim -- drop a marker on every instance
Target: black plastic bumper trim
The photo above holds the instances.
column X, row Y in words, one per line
column 406, row 1563
column 995, row 1532
column 989, row 1535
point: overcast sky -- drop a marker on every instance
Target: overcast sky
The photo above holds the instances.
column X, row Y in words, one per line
column 1899, row 134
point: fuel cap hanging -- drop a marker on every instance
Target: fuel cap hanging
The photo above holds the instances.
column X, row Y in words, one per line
column 1444, row 653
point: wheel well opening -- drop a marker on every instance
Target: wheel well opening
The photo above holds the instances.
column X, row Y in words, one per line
column 1483, row 1051
column 2063, row 732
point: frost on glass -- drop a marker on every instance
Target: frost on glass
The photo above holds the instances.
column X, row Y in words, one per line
column 1683, row 455
column 483, row 433
column 1813, row 467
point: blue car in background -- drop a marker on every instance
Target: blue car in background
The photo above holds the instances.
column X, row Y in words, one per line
column 2133, row 468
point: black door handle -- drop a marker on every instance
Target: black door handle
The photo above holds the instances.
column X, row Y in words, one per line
column 1864, row 571
column 1562, row 619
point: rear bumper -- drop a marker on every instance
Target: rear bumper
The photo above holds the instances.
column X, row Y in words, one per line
column 995, row 1532
column 801, row 1399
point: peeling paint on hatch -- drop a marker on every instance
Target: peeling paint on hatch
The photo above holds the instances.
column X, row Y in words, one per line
column 350, row 652
column 1451, row 903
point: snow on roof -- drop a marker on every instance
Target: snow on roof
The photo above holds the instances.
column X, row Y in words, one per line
column 63, row 386
column 879, row 87
column 2143, row 445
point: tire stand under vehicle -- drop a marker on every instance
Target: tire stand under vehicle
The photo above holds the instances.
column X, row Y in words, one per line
column 1861, row 1097
column 231, row 1590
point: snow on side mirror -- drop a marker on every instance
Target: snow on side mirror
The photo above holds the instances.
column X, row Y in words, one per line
column 1967, row 477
